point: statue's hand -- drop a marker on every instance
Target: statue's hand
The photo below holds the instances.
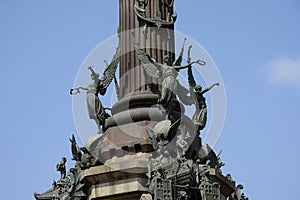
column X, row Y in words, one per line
column 74, row 91
column 200, row 62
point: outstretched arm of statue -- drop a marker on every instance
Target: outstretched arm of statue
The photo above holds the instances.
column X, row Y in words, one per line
column 77, row 90
column 209, row 88
column 199, row 62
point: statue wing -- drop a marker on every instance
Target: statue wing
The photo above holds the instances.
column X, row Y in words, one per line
column 147, row 62
column 110, row 70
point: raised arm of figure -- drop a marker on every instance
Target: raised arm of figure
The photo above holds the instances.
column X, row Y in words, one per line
column 210, row 87
column 96, row 76
column 199, row 62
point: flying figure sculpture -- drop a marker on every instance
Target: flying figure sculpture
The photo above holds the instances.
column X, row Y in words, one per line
column 170, row 86
column 99, row 85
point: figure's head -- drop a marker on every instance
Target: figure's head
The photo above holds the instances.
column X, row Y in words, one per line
column 198, row 88
column 94, row 76
column 240, row 186
column 159, row 151
column 166, row 59
column 166, row 153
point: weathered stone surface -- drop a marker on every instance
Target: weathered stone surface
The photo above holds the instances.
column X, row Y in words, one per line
column 119, row 178
column 119, row 189
column 227, row 187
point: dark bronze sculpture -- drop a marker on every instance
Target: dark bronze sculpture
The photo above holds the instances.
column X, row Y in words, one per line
column 168, row 72
column 200, row 115
column 157, row 21
column 238, row 195
column 143, row 3
column 67, row 188
column 220, row 163
column 82, row 156
column 170, row 156
column 95, row 108
column 61, row 167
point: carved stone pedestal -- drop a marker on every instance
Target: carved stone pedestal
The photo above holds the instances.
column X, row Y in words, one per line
column 120, row 178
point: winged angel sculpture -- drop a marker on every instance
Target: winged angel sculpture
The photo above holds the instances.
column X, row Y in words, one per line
column 197, row 96
column 170, row 85
column 99, row 85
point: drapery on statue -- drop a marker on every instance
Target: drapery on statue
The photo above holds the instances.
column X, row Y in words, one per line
column 95, row 108
column 168, row 72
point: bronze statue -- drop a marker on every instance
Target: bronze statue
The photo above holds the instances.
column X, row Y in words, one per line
column 220, row 163
column 75, row 149
column 200, row 115
column 84, row 159
column 95, row 108
column 162, row 133
column 238, row 195
column 143, row 3
column 168, row 72
column 170, row 15
column 157, row 21
column 61, row 167
column 196, row 91
column 170, row 83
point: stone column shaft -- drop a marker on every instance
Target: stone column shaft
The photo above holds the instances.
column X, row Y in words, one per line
column 157, row 42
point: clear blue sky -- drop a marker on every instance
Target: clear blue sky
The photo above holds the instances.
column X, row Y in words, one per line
column 254, row 43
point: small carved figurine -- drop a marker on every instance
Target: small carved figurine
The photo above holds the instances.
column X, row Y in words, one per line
column 61, row 167
column 229, row 177
column 220, row 163
column 238, row 195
